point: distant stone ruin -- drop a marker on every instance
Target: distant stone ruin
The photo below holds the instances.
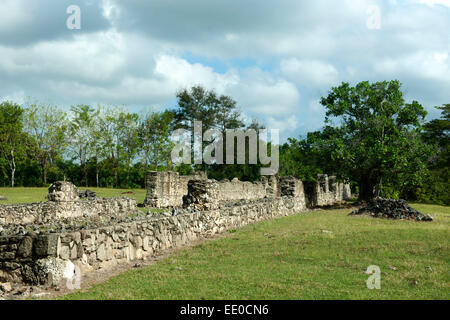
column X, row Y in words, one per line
column 42, row 243
column 64, row 203
column 168, row 189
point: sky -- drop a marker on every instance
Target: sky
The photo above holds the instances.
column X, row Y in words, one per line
column 276, row 58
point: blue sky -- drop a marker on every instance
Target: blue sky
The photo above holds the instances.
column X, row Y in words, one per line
column 275, row 58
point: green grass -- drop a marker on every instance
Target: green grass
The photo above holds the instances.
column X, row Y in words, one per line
column 27, row 195
column 315, row 255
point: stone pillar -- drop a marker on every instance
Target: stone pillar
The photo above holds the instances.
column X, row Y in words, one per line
column 159, row 187
column 62, row 191
column 323, row 182
column 202, row 194
column 347, row 193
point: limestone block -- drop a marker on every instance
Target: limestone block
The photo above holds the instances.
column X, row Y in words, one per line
column 62, row 191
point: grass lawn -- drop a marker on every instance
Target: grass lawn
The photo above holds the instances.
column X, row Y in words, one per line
column 315, row 255
column 27, row 195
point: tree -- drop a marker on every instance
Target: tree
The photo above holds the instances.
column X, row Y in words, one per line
column 244, row 172
column 12, row 138
column 97, row 143
column 81, row 143
column 199, row 104
column 297, row 159
column 376, row 134
column 108, row 123
column 214, row 111
column 154, row 135
column 437, row 132
column 128, row 139
column 47, row 125
column 119, row 139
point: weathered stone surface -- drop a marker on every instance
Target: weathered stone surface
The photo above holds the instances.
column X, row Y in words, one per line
column 46, row 245
column 62, row 191
column 87, row 194
column 6, row 287
column 166, row 189
column 47, row 212
column 25, row 248
column 51, row 270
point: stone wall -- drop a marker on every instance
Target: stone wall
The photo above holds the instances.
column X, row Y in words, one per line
column 45, row 258
column 166, row 189
column 47, row 212
column 63, row 203
column 326, row 191
column 207, row 194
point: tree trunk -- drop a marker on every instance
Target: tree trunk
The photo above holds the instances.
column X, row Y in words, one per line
column 84, row 168
column 44, row 170
column 366, row 189
column 12, row 177
column 128, row 174
column 378, row 187
column 96, row 170
column 13, row 168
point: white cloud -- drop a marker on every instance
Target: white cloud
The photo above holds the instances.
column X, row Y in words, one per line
column 180, row 73
column 89, row 57
column 262, row 93
column 427, row 65
column 433, row 2
column 110, row 11
column 274, row 60
column 286, row 125
column 309, row 72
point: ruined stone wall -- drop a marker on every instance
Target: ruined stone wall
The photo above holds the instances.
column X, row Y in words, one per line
column 207, row 194
column 45, row 258
column 166, row 189
column 272, row 186
column 291, row 187
column 46, row 212
column 326, row 191
column 64, row 203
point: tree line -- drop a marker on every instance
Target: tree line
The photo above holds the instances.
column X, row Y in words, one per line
column 107, row 146
column 372, row 138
